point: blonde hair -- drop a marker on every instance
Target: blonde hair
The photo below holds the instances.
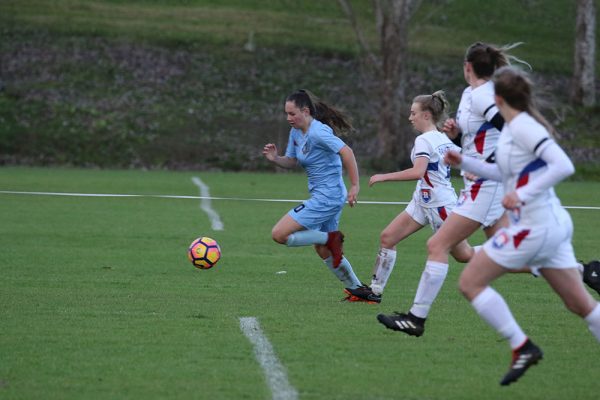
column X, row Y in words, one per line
column 436, row 104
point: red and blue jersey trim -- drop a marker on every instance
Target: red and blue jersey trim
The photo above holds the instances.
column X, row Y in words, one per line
column 480, row 136
column 529, row 168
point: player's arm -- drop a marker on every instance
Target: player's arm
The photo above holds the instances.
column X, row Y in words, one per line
column 473, row 165
column 416, row 172
column 558, row 167
column 270, row 152
column 349, row 162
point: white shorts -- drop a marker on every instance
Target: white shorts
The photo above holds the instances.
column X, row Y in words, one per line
column 537, row 246
column 481, row 203
column 428, row 216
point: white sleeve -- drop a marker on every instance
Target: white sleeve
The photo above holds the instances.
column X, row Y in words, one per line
column 559, row 166
column 422, row 147
column 481, row 168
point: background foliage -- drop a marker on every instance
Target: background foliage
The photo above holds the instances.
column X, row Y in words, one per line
column 169, row 84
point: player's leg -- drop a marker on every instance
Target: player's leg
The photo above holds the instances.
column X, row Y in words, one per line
column 342, row 269
column 432, row 279
column 453, row 231
column 402, row 226
column 491, row 307
column 285, row 227
column 568, row 285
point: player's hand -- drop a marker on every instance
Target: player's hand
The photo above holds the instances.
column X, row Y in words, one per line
column 450, row 128
column 453, row 158
column 471, row 177
column 270, row 151
column 353, row 195
column 511, row 201
column 374, row 179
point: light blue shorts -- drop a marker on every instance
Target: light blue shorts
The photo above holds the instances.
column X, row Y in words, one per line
column 315, row 215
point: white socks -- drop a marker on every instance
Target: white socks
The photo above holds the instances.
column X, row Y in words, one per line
column 492, row 308
column 593, row 321
column 386, row 258
column 431, row 282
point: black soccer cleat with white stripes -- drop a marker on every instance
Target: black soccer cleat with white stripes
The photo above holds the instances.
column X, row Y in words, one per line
column 523, row 358
column 591, row 275
column 407, row 323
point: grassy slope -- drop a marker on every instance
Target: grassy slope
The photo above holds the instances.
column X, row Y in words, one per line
column 167, row 84
column 547, row 30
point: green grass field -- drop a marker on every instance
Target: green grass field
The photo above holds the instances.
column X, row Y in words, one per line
column 98, row 299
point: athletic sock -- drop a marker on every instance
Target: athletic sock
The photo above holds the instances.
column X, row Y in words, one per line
column 593, row 321
column 306, row 238
column 384, row 264
column 431, row 282
column 343, row 272
column 492, row 308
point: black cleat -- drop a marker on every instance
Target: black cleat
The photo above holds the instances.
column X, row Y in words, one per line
column 407, row 323
column 362, row 293
column 591, row 275
column 523, row 358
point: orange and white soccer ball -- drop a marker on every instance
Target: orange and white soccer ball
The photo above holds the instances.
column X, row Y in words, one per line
column 204, row 252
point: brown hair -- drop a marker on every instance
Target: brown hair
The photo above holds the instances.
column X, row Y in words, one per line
column 516, row 88
column 486, row 58
column 436, row 104
column 321, row 111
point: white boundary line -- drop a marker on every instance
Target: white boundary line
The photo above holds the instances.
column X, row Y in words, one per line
column 168, row 196
column 265, row 355
column 215, row 221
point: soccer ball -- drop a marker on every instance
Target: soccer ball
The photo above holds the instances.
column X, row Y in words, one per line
column 204, row 252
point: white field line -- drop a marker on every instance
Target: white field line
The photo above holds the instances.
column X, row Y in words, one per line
column 206, row 206
column 170, row 196
column 265, row 355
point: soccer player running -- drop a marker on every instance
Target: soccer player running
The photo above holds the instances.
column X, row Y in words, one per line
column 528, row 163
column 313, row 144
column 434, row 196
column 478, row 124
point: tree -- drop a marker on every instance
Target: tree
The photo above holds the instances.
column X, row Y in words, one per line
column 583, row 89
column 389, row 65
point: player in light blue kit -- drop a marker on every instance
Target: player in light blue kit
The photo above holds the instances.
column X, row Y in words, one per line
column 313, row 144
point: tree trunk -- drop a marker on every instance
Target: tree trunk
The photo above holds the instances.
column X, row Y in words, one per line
column 583, row 90
column 394, row 134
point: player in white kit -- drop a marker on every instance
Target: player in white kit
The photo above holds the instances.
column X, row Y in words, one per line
column 529, row 163
column 433, row 198
column 478, row 125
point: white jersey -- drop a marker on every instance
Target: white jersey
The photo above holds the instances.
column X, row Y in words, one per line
column 435, row 188
column 475, row 111
column 540, row 230
column 521, row 141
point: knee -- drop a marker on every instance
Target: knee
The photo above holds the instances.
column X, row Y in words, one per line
column 462, row 255
column 436, row 247
column 386, row 241
column 279, row 236
column 466, row 288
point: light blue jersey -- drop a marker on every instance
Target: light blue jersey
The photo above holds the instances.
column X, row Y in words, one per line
column 317, row 152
